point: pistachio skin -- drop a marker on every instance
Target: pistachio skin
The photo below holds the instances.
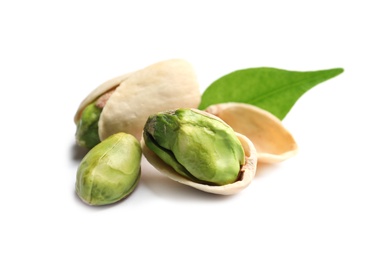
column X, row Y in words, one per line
column 87, row 134
column 110, row 171
column 197, row 145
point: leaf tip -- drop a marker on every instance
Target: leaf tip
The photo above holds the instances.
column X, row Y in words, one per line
column 341, row 70
column 338, row 70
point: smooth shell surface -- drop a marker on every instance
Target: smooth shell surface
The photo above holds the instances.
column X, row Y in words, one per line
column 162, row 86
column 103, row 88
column 273, row 142
column 246, row 177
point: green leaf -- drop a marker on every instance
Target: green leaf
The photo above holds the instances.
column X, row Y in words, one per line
column 271, row 89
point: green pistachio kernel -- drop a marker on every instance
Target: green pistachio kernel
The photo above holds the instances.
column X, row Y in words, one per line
column 87, row 133
column 110, row 171
column 199, row 146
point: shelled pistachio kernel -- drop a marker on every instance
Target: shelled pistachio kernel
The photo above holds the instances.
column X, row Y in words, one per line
column 110, row 171
column 197, row 145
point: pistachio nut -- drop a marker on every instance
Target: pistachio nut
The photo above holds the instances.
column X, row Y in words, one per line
column 87, row 134
column 199, row 150
column 134, row 96
column 273, row 142
column 110, row 171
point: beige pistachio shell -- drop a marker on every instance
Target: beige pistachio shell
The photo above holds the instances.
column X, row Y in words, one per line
column 273, row 142
column 103, row 88
column 162, row 86
column 246, row 177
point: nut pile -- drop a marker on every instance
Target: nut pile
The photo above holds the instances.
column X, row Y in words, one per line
column 154, row 112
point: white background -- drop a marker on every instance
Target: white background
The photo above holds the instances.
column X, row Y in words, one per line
column 312, row 206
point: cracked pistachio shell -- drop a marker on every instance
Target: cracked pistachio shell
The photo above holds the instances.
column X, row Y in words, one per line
column 273, row 142
column 196, row 151
column 161, row 86
column 110, row 171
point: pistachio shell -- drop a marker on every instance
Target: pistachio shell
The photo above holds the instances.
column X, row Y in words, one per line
column 162, row 86
column 246, row 176
column 273, row 142
column 103, row 88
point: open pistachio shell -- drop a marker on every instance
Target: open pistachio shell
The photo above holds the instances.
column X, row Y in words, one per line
column 162, row 86
column 273, row 142
column 246, row 176
column 100, row 90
